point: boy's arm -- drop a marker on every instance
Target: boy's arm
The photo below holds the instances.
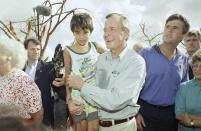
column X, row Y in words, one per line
column 67, row 64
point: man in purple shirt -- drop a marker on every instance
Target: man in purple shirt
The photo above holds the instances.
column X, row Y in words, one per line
column 166, row 69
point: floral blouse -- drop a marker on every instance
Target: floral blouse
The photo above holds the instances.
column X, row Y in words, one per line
column 17, row 88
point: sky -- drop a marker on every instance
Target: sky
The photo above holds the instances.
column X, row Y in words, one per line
column 151, row 12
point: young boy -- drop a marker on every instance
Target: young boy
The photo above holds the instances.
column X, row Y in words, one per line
column 81, row 58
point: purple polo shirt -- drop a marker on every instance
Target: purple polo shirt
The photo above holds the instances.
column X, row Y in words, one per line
column 163, row 76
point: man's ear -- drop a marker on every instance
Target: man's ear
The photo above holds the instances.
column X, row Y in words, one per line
column 127, row 33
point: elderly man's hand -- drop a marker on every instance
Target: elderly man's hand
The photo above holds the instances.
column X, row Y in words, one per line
column 75, row 82
column 75, row 107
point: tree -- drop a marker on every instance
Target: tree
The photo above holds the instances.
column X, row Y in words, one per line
column 39, row 25
column 145, row 35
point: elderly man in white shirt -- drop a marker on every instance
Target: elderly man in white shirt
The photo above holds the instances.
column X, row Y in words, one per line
column 120, row 76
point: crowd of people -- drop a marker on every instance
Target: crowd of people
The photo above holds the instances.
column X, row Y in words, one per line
column 154, row 88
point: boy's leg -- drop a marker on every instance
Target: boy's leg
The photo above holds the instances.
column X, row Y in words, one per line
column 93, row 125
column 93, row 121
column 81, row 126
column 80, row 122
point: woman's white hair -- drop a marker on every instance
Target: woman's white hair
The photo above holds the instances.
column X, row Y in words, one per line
column 15, row 50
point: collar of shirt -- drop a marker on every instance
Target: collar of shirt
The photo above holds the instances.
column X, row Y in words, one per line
column 33, row 65
column 159, row 51
column 31, row 71
column 189, row 59
column 121, row 55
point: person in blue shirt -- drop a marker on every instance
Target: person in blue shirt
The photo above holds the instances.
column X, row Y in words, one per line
column 166, row 68
column 188, row 97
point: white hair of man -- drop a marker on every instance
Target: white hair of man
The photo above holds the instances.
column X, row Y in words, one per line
column 15, row 50
column 124, row 21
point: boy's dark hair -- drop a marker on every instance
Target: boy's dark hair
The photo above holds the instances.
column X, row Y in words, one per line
column 82, row 21
column 35, row 41
column 181, row 18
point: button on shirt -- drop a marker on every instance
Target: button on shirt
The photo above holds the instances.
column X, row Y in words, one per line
column 31, row 71
column 119, row 81
column 163, row 76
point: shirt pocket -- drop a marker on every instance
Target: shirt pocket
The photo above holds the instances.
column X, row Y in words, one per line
column 102, row 79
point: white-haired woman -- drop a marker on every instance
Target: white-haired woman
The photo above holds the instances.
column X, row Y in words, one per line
column 16, row 87
column 188, row 99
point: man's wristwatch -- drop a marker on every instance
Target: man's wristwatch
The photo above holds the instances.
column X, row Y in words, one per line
column 192, row 123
